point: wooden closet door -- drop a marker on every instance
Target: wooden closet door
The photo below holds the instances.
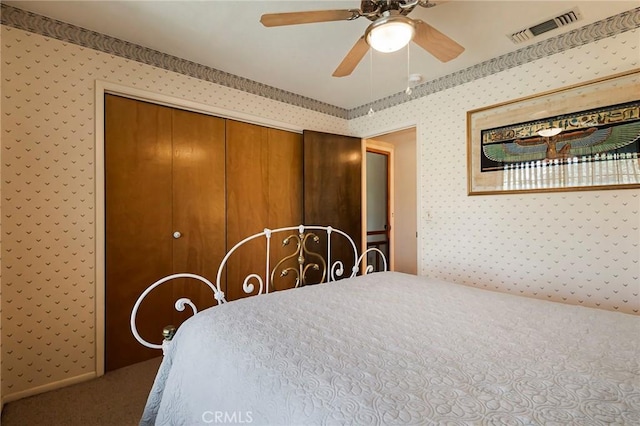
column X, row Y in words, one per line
column 333, row 190
column 285, row 193
column 138, row 216
column 247, row 201
column 198, row 204
column 264, row 190
column 164, row 174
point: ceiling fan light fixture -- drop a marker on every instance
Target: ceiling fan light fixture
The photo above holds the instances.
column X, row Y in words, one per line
column 390, row 33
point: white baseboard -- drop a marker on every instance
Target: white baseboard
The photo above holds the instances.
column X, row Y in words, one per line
column 48, row 387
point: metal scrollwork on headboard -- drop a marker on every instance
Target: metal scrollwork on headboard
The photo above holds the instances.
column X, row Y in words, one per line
column 180, row 304
column 306, row 260
column 302, row 255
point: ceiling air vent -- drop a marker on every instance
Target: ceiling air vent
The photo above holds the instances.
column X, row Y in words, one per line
column 559, row 21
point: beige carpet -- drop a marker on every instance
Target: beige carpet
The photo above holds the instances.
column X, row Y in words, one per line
column 117, row 398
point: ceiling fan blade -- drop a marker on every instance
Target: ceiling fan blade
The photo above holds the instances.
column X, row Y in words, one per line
column 353, row 58
column 294, row 18
column 436, row 43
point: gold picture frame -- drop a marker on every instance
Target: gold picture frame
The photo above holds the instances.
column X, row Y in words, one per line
column 581, row 137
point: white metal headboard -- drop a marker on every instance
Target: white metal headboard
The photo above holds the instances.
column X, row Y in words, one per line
column 330, row 271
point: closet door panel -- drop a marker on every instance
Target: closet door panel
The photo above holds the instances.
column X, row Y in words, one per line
column 285, row 194
column 333, row 189
column 285, row 178
column 138, row 213
column 198, row 203
column 247, row 202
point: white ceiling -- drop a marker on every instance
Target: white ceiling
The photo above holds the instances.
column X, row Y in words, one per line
column 228, row 36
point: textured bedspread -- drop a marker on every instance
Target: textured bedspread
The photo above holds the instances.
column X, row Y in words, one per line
column 390, row 348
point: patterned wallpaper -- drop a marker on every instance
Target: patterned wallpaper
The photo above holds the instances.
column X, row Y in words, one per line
column 48, row 194
column 577, row 247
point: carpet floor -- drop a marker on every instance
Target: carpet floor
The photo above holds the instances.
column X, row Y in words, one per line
column 117, row 398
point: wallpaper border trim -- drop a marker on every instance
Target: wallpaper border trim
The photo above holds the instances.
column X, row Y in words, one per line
column 48, row 27
column 605, row 28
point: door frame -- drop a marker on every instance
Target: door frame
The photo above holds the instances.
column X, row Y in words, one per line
column 388, row 150
column 101, row 88
column 397, row 127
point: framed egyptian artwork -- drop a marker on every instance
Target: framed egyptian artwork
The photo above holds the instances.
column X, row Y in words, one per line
column 582, row 137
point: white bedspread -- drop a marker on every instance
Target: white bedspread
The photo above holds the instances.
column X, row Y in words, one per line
column 390, row 348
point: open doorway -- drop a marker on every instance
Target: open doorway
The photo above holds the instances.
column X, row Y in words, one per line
column 378, row 205
column 401, row 197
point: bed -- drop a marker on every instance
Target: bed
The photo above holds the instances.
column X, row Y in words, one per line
column 393, row 348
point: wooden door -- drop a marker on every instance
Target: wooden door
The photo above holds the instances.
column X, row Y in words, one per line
column 198, row 204
column 138, row 220
column 333, row 189
column 264, row 189
column 247, row 201
column 164, row 173
column 285, row 193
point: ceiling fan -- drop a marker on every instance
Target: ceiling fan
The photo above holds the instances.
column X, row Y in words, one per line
column 389, row 31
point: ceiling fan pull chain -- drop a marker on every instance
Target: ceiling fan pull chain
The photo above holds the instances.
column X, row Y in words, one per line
column 371, row 111
column 409, row 89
